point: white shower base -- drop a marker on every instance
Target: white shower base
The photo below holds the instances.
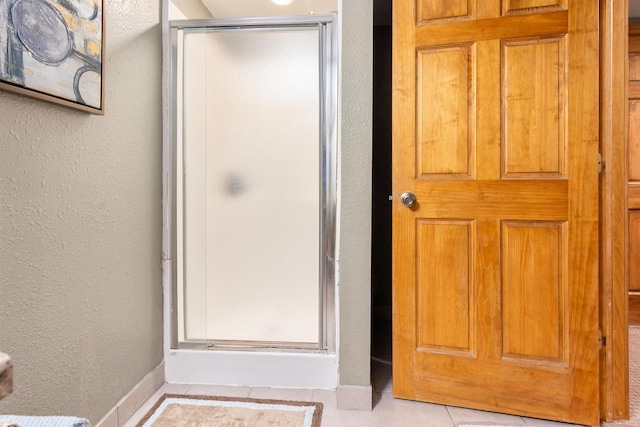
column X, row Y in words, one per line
column 256, row 369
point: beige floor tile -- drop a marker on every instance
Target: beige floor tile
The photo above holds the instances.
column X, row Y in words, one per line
column 332, row 417
column 326, row 397
column 462, row 414
column 403, row 413
column 219, row 390
column 350, row 419
column 303, row 395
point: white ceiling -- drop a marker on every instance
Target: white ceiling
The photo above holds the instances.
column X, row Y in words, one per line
column 249, row 8
column 187, row 9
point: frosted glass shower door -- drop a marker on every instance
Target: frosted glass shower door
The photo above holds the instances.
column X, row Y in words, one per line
column 250, row 151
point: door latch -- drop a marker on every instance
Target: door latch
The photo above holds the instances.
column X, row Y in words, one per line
column 602, row 340
column 600, row 163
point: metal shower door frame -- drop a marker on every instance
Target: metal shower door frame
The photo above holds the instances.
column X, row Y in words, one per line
column 328, row 79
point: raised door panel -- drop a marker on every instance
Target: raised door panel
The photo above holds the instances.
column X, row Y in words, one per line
column 434, row 10
column 446, row 110
column 633, row 160
column 445, row 262
column 634, row 67
column 634, row 140
column 634, row 251
column 634, row 309
column 534, row 288
column 633, row 194
column 534, row 105
column 531, row 6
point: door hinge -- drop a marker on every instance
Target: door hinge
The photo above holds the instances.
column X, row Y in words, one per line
column 602, row 340
column 601, row 164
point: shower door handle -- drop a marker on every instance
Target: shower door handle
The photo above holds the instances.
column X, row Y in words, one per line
column 408, row 199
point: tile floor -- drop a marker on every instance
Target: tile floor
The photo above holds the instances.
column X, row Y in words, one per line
column 388, row 412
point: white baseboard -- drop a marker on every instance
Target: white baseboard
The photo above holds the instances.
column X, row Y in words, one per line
column 128, row 405
column 254, row 369
column 356, row 398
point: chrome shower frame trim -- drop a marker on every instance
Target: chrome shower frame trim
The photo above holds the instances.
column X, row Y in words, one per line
column 328, row 69
column 172, row 107
column 276, row 21
column 329, row 188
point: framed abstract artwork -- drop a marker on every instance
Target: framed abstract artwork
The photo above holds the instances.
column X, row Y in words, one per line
column 54, row 50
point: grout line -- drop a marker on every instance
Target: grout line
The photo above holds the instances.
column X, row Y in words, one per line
column 453, row 423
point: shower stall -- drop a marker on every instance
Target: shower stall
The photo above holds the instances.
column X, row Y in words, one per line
column 253, row 203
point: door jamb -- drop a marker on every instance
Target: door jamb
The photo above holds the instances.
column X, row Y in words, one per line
column 614, row 316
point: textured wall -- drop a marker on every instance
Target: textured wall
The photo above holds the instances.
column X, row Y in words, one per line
column 355, row 188
column 80, row 232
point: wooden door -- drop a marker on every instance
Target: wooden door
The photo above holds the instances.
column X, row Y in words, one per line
column 495, row 268
column 634, row 174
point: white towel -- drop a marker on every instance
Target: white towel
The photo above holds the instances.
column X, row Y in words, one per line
column 26, row 421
